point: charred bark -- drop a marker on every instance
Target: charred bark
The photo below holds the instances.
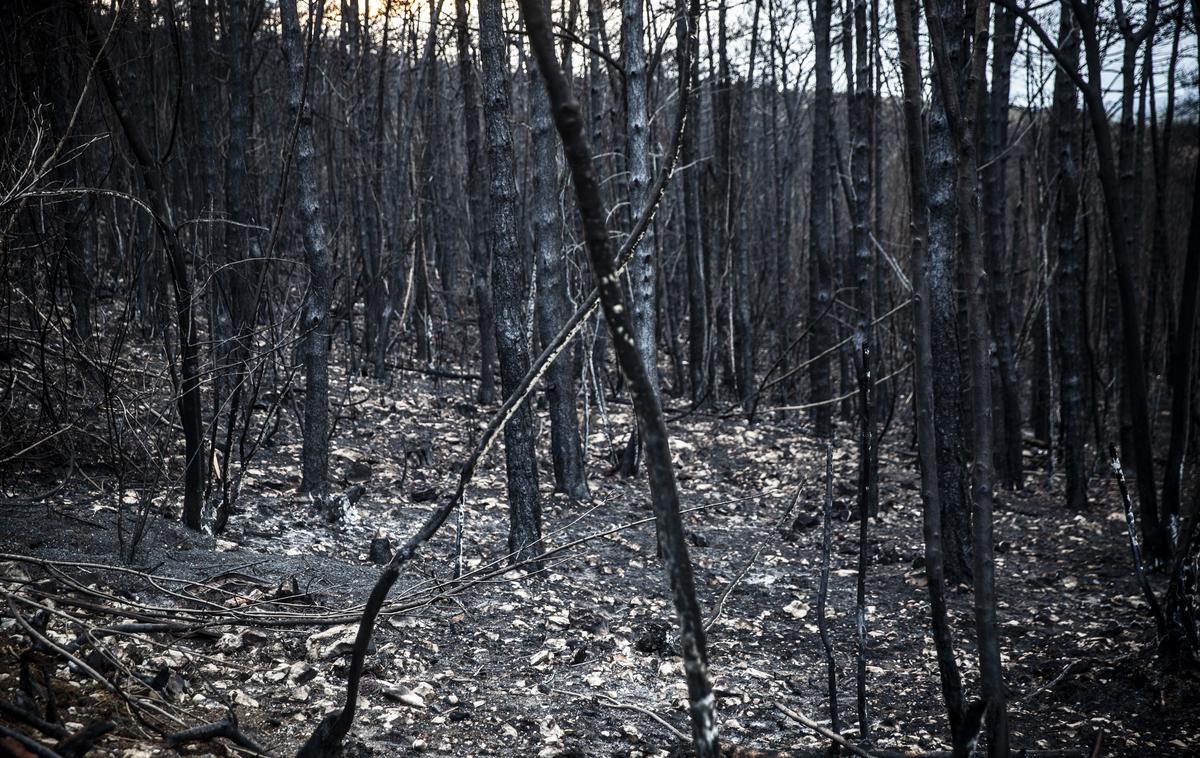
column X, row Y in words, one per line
column 1006, row 384
column 508, row 287
column 942, row 278
column 1068, row 287
column 821, row 226
column 314, row 456
column 642, row 269
column 868, row 489
column 943, row 639
column 960, row 107
column 481, row 257
column 553, row 300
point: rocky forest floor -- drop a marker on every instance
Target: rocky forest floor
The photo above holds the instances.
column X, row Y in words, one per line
column 579, row 660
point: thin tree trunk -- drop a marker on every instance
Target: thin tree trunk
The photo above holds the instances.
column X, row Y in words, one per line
column 79, row 233
column 426, row 245
column 831, row 668
column 948, row 379
column 79, row 254
column 508, row 287
column 821, row 225
column 637, row 124
column 864, row 259
column 204, row 107
column 598, row 88
column 860, row 165
column 780, row 292
column 481, row 257
column 1182, row 385
column 1069, row 286
column 743, row 328
column 697, row 280
column 642, row 269
column 1006, row 395
column 1180, row 359
column 720, row 208
column 553, row 301
column 314, row 455
column 239, row 206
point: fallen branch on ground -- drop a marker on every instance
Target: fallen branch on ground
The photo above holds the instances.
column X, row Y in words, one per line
column 800, row 718
column 226, row 728
column 604, row 699
column 15, row 744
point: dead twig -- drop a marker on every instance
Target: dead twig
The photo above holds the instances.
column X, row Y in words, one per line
column 800, row 718
column 721, row 603
column 604, row 699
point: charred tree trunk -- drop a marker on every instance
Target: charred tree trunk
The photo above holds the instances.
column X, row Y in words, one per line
column 942, row 277
column 189, row 403
column 719, row 209
column 864, row 259
column 314, row 456
column 204, row 106
column 637, row 125
column 1180, row 369
column 697, row 279
column 642, row 269
column 743, row 327
column 598, row 88
column 79, row 232
column 426, row 250
column 926, row 418
column 821, row 227
column 481, row 257
column 1182, row 357
column 1006, row 393
column 233, row 280
column 1160, row 143
column 960, row 108
column 860, row 166
column 239, row 283
column 508, row 287
column 553, row 301
column 1069, row 285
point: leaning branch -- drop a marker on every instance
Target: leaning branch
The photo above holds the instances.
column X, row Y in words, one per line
column 664, row 493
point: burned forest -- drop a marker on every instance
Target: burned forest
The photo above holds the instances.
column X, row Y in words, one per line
column 616, row 378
